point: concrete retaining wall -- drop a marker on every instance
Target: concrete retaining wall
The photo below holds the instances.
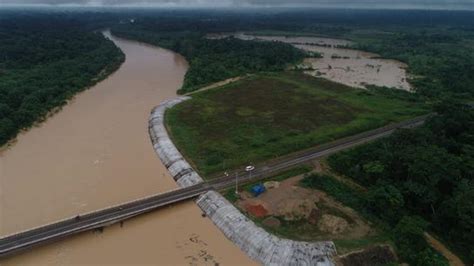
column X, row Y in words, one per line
column 259, row 244
column 180, row 170
column 253, row 240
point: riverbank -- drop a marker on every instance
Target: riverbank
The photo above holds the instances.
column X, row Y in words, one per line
column 95, row 153
column 42, row 69
column 253, row 240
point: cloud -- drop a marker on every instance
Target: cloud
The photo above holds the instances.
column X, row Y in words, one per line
column 439, row 4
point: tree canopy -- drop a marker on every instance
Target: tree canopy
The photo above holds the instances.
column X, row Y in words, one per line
column 44, row 61
column 428, row 171
column 213, row 60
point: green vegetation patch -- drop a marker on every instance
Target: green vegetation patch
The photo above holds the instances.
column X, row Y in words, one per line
column 427, row 171
column 407, row 233
column 271, row 115
column 339, row 190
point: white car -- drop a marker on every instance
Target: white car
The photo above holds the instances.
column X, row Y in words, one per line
column 249, row 168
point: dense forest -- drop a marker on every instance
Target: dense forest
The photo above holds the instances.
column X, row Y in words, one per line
column 214, row 60
column 44, row 61
column 427, row 172
column 436, row 45
column 441, row 61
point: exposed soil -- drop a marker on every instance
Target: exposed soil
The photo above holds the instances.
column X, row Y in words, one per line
column 317, row 216
column 216, row 85
column 378, row 255
column 332, row 224
column 256, row 210
column 272, row 222
column 441, row 248
column 288, row 201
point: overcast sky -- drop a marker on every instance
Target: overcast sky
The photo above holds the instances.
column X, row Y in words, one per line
column 424, row 4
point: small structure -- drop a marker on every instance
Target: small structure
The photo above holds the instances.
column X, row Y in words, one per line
column 257, row 189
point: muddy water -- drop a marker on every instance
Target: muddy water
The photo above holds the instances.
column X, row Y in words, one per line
column 357, row 68
column 347, row 66
column 96, row 152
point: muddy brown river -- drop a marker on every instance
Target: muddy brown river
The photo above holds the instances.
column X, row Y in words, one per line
column 96, row 152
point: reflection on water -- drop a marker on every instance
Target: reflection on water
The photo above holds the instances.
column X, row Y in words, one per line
column 96, row 152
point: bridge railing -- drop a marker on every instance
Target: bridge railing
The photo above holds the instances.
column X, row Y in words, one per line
column 84, row 216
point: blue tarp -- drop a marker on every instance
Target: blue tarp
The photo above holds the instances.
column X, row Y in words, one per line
column 258, row 189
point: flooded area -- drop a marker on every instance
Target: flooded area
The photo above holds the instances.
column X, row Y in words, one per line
column 347, row 66
column 307, row 40
column 96, row 152
column 356, row 68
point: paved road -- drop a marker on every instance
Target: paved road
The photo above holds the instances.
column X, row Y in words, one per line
column 271, row 167
column 13, row 244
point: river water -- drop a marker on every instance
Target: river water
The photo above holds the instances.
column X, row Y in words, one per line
column 347, row 66
column 96, row 152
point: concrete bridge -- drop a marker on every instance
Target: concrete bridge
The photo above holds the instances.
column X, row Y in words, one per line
column 12, row 244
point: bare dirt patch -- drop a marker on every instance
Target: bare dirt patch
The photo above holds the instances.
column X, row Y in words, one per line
column 377, row 255
column 256, row 210
column 217, row 84
column 304, row 214
column 272, row 222
column 288, row 201
column 441, row 248
column 332, row 224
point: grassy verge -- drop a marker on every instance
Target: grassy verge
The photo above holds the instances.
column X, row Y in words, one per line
column 345, row 246
column 270, row 115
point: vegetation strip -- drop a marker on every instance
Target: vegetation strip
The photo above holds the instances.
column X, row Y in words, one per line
column 426, row 172
column 256, row 242
column 214, row 60
column 408, row 234
column 267, row 116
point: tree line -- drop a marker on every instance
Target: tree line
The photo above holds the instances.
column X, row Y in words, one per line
column 44, row 61
column 421, row 177
column 440, row 62
column 212, row 60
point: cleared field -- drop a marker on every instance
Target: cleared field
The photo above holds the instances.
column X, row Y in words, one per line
column 270, row 115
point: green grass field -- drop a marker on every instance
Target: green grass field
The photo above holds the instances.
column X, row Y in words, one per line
column 270, row 115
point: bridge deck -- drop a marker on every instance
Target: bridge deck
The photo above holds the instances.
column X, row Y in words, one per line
column 93, row 220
